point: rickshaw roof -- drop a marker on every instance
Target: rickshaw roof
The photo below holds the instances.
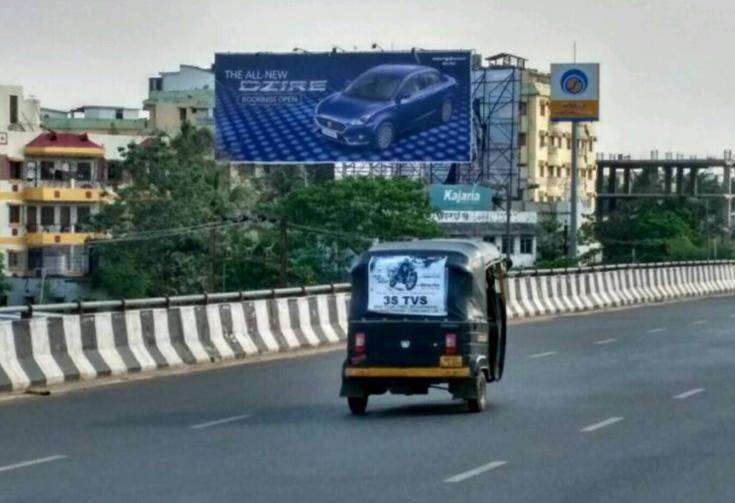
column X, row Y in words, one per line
column 479, row 254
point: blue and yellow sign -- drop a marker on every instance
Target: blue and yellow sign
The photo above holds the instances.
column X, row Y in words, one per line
column 575, row 92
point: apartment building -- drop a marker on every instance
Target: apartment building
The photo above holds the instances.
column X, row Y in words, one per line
column 184, row 95
column 546, row 147
column 95, row 119
column 18, row 113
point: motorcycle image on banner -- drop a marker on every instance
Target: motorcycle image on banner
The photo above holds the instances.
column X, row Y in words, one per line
column 403, row 284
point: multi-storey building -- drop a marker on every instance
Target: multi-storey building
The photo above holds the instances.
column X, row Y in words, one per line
column 185, row 95
column 18, row 113
column 95, row 119
column 546, row 147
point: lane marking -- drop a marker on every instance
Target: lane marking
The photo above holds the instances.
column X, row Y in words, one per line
column 541, row 355
column 699, row 322
column 655, row 330
column 218, row 421
column 606, row 341
column 474, row 472
column 689, row 393
column 601, row 424
column 32, row 462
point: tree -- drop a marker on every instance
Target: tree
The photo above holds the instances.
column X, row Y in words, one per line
column 158, row 244
column 329, row 224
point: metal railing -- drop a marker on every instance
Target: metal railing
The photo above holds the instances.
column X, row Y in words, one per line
column 274, row 293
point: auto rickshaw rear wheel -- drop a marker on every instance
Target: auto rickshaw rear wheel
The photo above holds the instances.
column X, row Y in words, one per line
column 358, row 404
column 479, row 403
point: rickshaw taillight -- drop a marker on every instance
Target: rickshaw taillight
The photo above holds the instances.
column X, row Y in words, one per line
column 360, row 341
column 450, row 344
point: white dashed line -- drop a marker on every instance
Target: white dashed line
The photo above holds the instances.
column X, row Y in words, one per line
column 689, row 393
column 474, row 472
column 541, row 355
column 219, row 421
column 606, row 341
column 601, row 424
column 655, row 330
column 699, row 322
column 32, row 462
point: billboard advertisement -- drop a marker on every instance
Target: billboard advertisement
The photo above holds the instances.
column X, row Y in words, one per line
column 343, row 107
column 575, row 92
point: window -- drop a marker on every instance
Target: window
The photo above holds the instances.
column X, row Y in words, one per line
column 429, row 79
column 83, row 215
column 15, row 170
column 13, row 109
column 47, row 170
column 48, row 215
column 522, row 108
column 569, row 143
column 489, row 239
column 527, row 245
column 504, row 245
column 84, row 171
column 13, row 260
column 182, row 114
column 522, row 139
column 542, row 138
column 542, row 108
column 14, row 214
column 541, row 171
column 155, row 84
column 119, row 113
column 592, row 146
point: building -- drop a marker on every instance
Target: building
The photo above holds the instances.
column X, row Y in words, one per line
column 18, row 113
column 184, row 95
column 545, row 148
column 95, row 119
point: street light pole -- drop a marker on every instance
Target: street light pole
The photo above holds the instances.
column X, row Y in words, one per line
column 573, row 196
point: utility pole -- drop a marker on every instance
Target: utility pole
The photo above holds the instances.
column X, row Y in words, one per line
column 284, row 252
column 212, row 240
column 573, row 196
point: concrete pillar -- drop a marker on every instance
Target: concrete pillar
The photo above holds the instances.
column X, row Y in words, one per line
column 679, row 180
column 611, row 184
column 668, row 173
column 626, row 181
column 693, row 181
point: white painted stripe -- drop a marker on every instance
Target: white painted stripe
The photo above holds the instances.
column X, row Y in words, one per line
column 284, row 321
column 324, row 322
column 24, row 464
column 542, row 355
column 474, row 472
column 342, row 302
column 216, row 334
column 163, row 338
column 655, row 330
column 606, row 341
column 240, row 329
column 689, row 393
column 601, row 424
column 41, row 348
column 106, row 343
column 700, row 322
column 190, row 331
column 73, row 338
column 218, row 421
column 135, row 341
column 307, row 324
column 262, row 320
column 9, row 358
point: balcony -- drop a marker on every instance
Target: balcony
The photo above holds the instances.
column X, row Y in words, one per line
column 88, row 193
column 61, row 235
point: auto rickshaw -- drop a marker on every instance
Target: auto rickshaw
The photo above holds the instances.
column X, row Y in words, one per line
column 423, row 314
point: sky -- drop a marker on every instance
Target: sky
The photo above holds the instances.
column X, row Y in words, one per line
column 666, row 67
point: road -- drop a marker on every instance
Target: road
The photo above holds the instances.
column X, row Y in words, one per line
column 628, row 405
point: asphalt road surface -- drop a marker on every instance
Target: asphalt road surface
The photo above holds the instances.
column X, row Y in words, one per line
column 630, row 405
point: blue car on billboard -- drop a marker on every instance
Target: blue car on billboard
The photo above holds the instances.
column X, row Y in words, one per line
column 385, row 101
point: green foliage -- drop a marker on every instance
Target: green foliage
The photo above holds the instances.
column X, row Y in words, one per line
column 169, row 186
column 4, row 286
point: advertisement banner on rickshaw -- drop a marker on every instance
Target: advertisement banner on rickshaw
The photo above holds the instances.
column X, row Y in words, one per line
column 405, row 284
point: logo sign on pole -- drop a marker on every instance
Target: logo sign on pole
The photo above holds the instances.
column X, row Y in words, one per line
column 344, row 107
column 575, row 92
column 460, row 197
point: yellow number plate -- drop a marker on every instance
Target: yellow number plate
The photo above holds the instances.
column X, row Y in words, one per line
column 450, row 361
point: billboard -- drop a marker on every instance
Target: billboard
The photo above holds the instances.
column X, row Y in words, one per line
column 343, row 107
column 460, row 197
column 575, row 92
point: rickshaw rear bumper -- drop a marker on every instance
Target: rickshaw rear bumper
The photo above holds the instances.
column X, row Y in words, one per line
column 410, row 372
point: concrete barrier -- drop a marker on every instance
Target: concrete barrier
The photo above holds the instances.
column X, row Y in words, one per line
column 45, row 351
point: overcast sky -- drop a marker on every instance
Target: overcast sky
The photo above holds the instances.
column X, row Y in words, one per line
column 667, row 75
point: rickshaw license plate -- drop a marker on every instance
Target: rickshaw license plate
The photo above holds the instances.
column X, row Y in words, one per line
column 450, row 361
